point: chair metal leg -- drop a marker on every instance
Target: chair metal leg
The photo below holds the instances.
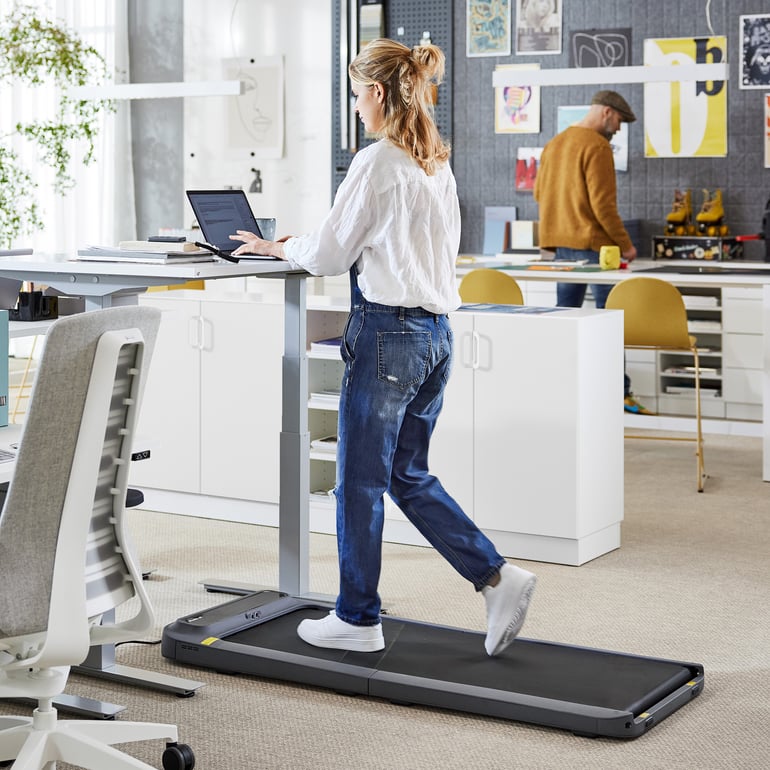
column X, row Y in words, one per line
column 698, row 425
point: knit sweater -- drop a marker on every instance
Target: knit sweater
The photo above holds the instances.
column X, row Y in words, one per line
column 576, row 193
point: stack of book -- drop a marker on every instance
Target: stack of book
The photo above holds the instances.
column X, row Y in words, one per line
column 148, row 252
column 329, row 347
column 327, row 444
column 325, row 399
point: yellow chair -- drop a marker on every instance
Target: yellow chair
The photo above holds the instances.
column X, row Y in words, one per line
column 655, row 318
column 493, row 286
column 198, row 285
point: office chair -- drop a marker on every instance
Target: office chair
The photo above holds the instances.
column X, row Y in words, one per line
column 655, row 318
column 63, row 549
column 492, row 286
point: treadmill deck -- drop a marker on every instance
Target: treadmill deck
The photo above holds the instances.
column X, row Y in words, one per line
column 585, row 690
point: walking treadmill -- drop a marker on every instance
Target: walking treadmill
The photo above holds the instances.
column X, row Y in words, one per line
column 587, row 691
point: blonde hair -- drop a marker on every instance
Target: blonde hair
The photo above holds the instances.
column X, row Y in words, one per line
column 408, row 77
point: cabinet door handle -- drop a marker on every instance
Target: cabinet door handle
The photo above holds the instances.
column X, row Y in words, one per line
column 197, row 331
column 476, row 339
column 202, row 322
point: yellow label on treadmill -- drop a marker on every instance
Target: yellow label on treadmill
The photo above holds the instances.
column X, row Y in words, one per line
column 210, row 640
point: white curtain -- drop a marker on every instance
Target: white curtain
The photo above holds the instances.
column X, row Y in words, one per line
column 99, row 209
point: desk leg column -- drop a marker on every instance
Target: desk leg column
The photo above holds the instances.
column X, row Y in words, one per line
column 294, row 502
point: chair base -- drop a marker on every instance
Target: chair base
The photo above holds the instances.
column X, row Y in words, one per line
column 36, row 742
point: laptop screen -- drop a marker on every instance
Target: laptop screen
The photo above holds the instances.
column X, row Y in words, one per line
column 220, row 213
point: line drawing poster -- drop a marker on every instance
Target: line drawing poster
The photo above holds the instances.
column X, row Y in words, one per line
column 600, row 48
column 685, row 119
column 255, row 118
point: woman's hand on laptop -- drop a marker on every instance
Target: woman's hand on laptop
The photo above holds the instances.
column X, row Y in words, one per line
column 252, row 244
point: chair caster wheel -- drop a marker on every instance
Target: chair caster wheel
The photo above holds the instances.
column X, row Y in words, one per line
column 178, row 756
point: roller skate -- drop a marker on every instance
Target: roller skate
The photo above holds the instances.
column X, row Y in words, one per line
column 679, row 219
column 710, row 216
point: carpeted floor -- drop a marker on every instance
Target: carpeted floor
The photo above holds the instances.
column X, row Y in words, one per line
column 690, row 581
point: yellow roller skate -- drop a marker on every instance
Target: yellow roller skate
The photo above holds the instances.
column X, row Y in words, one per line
column 679, row 219
column 710, row 216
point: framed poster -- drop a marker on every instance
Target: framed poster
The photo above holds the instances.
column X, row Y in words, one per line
column 600, row 48
column 255, row 118
column 517, row 108
column 767, row 131
column 488, row 23
column 527, row 163
column 538, row 27
column 755, row 51
column 685, row 119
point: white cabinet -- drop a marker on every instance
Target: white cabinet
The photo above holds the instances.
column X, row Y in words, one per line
column 530, row 441
column 743, row 353
column 212, row 405
column 170, row 414
column 676, row 388
column 728, row 325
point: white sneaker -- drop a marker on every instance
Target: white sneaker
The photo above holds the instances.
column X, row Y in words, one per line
column 507, row 605
column 336, row 634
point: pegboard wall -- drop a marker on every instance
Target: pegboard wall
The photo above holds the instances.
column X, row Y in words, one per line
column 484, row 162
column 405, row 21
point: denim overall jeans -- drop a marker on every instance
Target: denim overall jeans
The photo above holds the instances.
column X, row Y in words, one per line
column 397, row 361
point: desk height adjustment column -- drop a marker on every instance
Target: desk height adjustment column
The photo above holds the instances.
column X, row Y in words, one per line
column 294, row 501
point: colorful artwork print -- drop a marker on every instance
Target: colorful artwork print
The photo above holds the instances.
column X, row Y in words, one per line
column 489, row 27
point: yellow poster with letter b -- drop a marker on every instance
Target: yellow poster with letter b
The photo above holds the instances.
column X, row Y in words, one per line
column 685, row 119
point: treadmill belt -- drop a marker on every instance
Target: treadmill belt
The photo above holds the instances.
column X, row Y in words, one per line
column 530, row 667
column 588, row 691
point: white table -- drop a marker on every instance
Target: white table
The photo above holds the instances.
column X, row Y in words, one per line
column 103, row 284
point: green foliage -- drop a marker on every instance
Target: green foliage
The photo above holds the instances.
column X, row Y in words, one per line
column 34, row 52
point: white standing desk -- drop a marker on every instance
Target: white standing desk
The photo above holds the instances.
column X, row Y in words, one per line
column 104, row 284
column 712, row 274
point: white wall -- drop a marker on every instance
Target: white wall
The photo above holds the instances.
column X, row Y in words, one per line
column 296, row 187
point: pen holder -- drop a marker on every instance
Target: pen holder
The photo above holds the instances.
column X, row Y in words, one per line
column 609, row 258
column 34, row 306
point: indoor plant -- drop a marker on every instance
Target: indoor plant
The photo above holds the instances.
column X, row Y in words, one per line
column 37, row 52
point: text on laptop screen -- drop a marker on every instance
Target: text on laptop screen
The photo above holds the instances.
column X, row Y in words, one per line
column 220, row 213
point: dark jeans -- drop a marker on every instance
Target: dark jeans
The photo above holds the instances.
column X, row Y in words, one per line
column 573, row 294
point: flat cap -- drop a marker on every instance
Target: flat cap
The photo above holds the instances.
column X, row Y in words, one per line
column 617, row 102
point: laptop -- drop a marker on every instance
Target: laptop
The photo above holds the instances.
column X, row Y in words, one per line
column 220, row 213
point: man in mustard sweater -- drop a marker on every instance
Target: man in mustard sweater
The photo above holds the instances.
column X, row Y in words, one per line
column 577, row 197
